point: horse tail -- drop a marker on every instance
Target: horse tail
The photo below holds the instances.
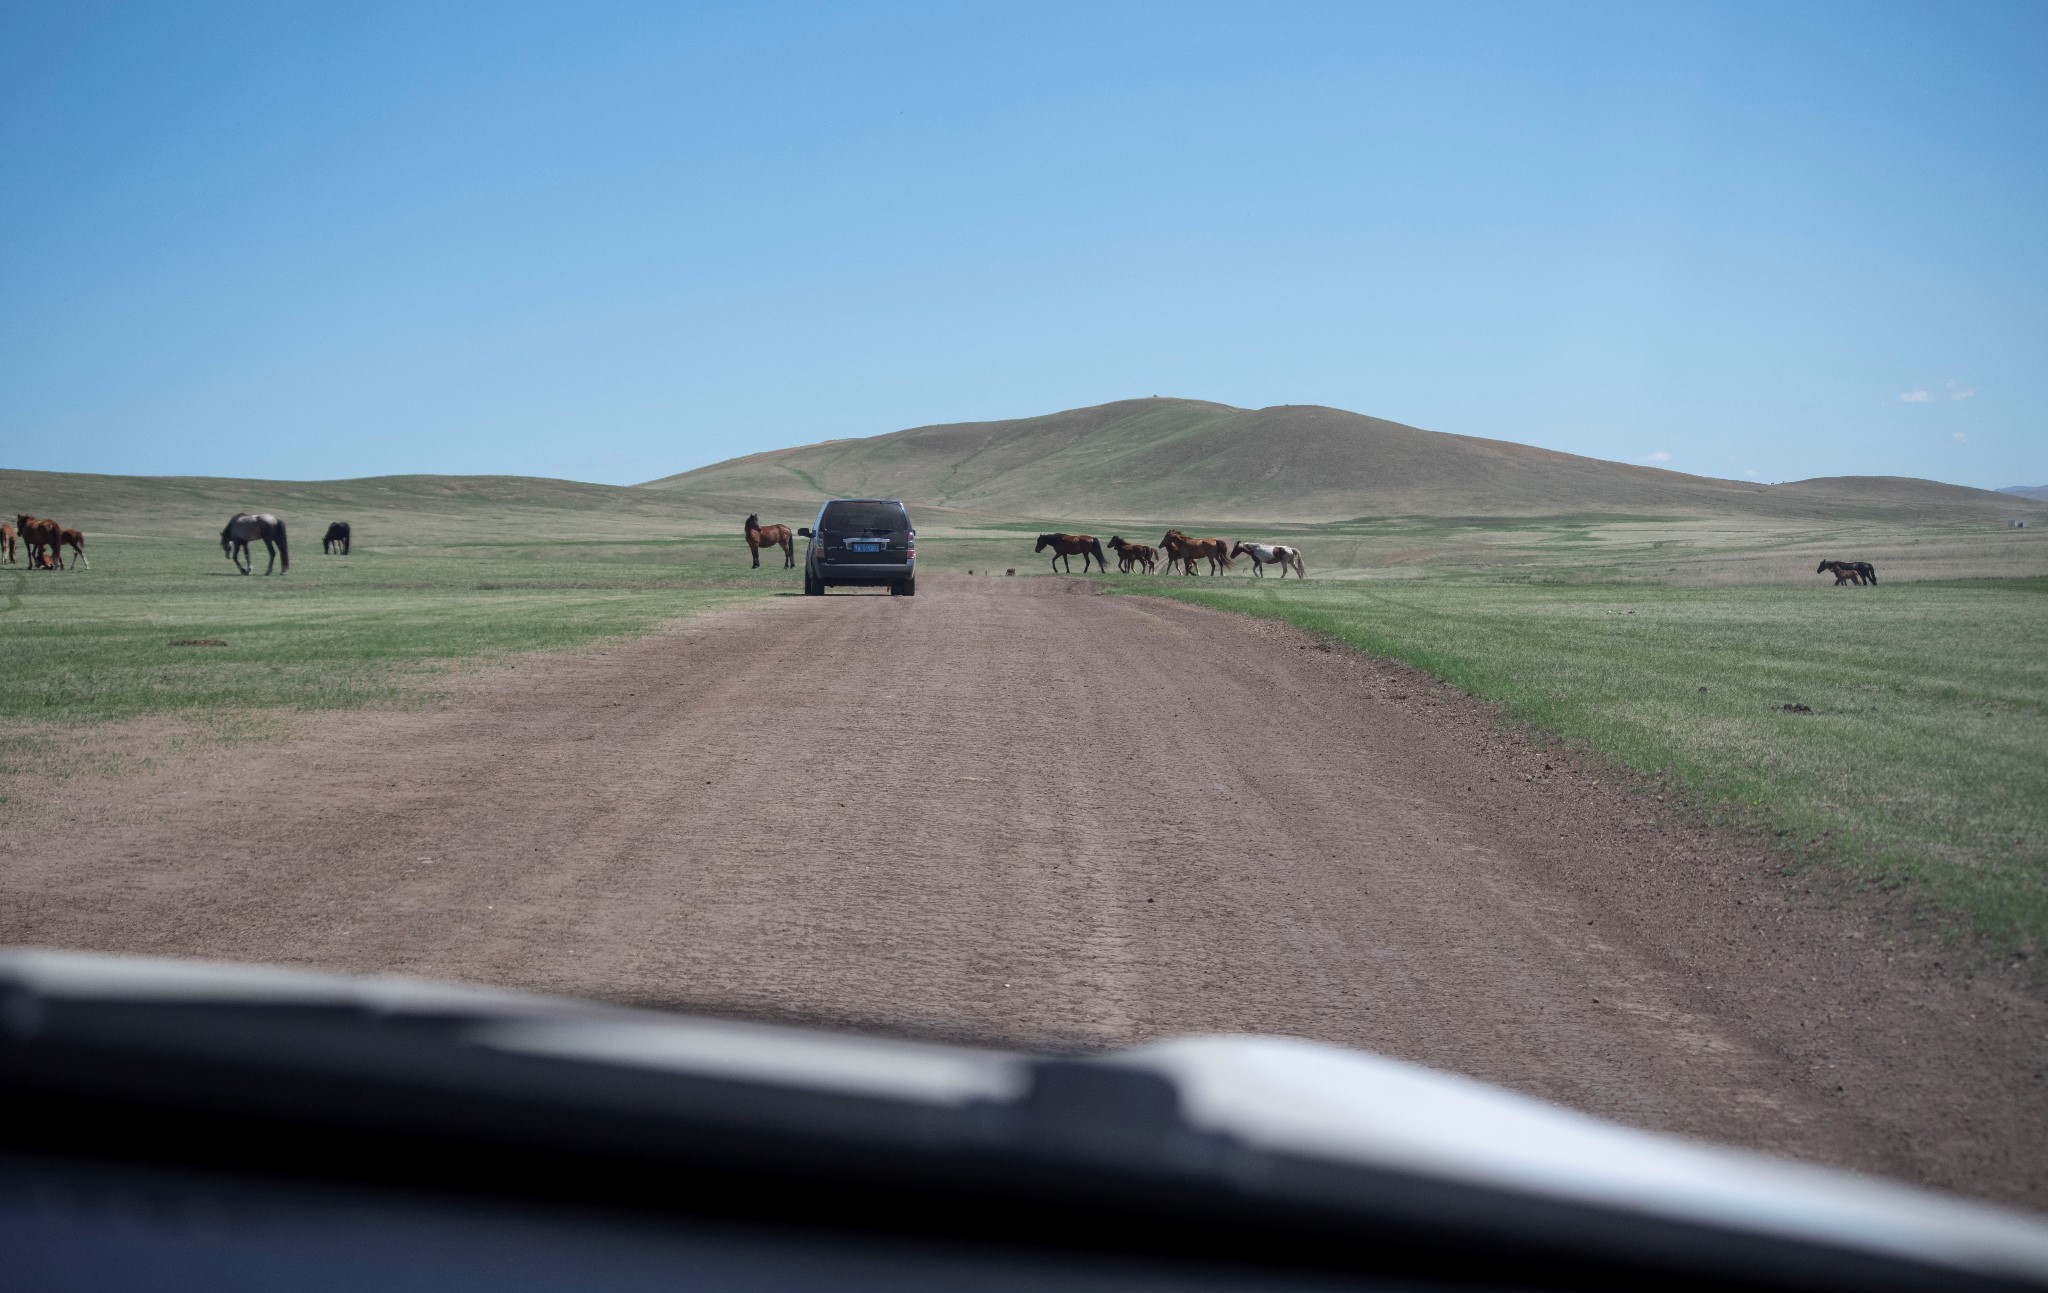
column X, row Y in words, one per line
column 284, row 552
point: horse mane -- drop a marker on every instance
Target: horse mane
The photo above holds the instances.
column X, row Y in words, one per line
column 753, row 520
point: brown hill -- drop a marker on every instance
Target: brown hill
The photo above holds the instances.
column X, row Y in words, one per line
column 1171, row 458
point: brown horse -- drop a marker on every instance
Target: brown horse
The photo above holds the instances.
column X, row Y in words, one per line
column 1848, row 572
column 761, row 536
column 1131, row 556
column 38, row 534
column 1180, row 548
column 1171, row 545
column 75, row 540
column 1065, row 546
column 7, row 541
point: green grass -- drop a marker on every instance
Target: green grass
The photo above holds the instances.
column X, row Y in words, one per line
column 92, row 645
column 1925, row 761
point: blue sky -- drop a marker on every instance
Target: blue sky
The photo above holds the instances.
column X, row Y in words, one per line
column 613, row 241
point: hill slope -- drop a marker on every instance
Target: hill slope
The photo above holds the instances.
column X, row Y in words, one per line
column 2038, row 493
column 1171, row 458
column 1156, row 459
column 393, row 508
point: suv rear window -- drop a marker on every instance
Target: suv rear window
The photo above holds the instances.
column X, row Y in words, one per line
column 864, row 518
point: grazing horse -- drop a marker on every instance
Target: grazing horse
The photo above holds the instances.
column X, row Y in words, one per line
column 74, row 540
column 7, row 537
column 1266, row 554
column 38, row 533
column 243, row 527
column 761, row 536
column 338, row 536
column 1064, row 546
column 1848, row 572
column 1179, row 547
column 1131, row 556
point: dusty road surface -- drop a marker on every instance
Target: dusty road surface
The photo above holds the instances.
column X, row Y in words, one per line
column 1015, row 810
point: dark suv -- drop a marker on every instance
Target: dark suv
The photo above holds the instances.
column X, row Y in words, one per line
column 861, row 541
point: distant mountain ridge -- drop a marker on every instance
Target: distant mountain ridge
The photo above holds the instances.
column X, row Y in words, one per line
column 2039, row 493
column 1174, row 458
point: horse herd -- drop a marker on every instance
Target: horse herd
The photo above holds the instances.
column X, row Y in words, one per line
column 1179, row 551
column 244, row 528
column 45, row 541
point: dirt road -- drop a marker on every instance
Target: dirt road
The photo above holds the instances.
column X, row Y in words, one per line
column 1014, row 810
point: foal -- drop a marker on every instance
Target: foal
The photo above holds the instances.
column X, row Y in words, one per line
column 1130, row 555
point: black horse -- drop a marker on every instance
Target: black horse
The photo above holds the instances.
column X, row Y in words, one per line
column 1848, row 572
column 1067, row 546
column 337, row 537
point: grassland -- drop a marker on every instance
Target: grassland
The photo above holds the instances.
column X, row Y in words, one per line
column 387, row 625
column 92, row 645
column 391, row 509
column 1924, row 761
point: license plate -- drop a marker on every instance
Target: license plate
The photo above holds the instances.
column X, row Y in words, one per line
column 865, row 547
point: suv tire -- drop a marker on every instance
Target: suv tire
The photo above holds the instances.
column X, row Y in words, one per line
column 904, row 587
column 813, row 586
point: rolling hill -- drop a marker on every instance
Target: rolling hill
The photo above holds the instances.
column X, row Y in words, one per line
column 2039, row 493
column 433, row 508
column 1150, row 460
column 1173, row 458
